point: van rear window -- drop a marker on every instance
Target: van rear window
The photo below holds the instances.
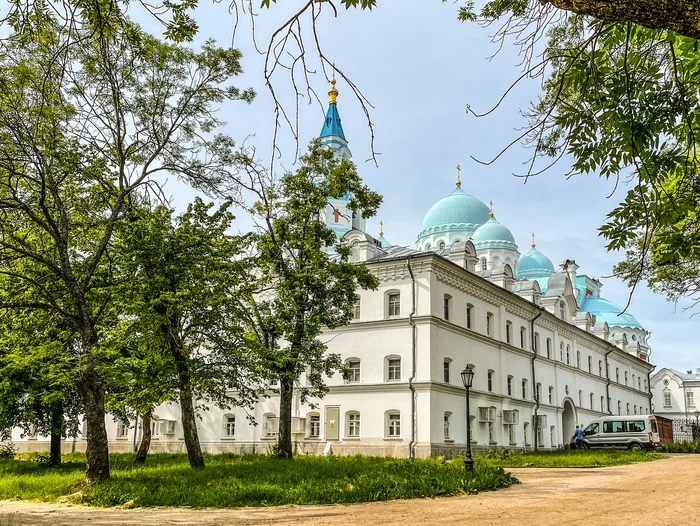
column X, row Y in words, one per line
column 653, row 426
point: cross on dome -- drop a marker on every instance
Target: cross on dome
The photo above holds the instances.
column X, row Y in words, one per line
column 533, row 240
column 491, row 208
column 459, row 183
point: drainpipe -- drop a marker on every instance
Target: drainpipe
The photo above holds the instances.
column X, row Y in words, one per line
column 650, row 394
column 412, row 323
column 607, row 378
column 534, row 381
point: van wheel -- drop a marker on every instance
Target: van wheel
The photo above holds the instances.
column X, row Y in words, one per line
column 635, row 447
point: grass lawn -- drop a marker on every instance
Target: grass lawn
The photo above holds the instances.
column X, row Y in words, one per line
column 571, row 458
column 250, row 480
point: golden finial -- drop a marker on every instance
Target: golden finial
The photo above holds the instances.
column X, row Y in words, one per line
column 459, row 183
column 533, row 240
column 491, row 208
column 381, row 228
column 333, row 92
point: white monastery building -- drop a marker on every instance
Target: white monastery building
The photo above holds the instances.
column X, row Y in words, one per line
column 547, row 350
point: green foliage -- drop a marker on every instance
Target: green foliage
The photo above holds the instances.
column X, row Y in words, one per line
column 681, row 447
column 252, row 480
column 568, row 458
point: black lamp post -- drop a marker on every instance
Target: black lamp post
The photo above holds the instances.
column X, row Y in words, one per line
column 696, row 430
column 467, row 379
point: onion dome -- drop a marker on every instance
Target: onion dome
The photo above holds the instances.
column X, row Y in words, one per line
column 534, row 264
column 605, row 310
column 493, row 234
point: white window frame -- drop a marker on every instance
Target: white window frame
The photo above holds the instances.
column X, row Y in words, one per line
column 667, row 399
column 392, row 424
column 523, row 337
column 313, row 426
column 393, row 304
column 489, row 323
column 352, row 424
column 470, row 315
column 446, row 425
column 357, row 307
column 446, row 304
column 270, row 425
column 229, row 427
column 392, row 372
column 446, row 370
column 509, row 332
column 355, row 372
column 122, row 430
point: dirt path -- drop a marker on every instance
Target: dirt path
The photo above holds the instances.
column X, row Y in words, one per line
column 654, row 493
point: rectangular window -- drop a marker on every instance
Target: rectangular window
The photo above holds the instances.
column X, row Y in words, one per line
column 667, row 399
column 509, row 330
column 540, row 436
column 446, row 371
column 489, row 381
column 356, row 308
column 230, row 426
column 314, row 426
column 354, row 425
column 690, row 398
column 526, row 435
column 489, row 320
column 549, row 348
column 522, row 337
column 394, row 371
column 551, row 394
column 394, row 425
column 394, row 304
column 470, row 313
column 590, row 365
column 122, row 429
column 578, row 359
column 492, row 436
column 524, row 389
column 511, row 433
column 510, row 386
column 613, row 426
column 600, row 367
column 446, row 307
column 354, row 367
column 271, row 426
column 446, row 426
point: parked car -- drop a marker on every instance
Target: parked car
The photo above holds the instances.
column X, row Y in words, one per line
column 634, row 432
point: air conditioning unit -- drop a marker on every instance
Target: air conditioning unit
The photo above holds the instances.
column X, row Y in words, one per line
column 298, row 425
column 541, row 421
column 510, row 416
column 484, row 414
column 167, row 427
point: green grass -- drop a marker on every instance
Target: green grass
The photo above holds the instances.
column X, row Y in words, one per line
column 250, row 480
column 681, row 447
column 570, row 458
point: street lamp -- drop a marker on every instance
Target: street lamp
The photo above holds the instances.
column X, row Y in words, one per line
column 467, row 379
column 696, row 429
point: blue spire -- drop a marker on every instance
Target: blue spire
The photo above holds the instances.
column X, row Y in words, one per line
column 332, row 126
column 332, row 135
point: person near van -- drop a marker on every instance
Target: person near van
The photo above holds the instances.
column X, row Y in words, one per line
column 579, row 437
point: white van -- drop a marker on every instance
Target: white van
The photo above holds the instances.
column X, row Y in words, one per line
column 635, row 432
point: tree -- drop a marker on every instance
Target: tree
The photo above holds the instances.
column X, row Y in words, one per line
column 87, row 117
column 304, row 288
column 181, row 282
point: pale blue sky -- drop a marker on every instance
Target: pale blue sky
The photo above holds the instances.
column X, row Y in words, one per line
column 420, row 67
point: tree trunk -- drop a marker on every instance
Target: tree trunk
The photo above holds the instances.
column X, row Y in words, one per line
column 189, row 422
column 284, row 443
column 681, row 16
column 92, row 393
column 57, row 426
column 145, row 444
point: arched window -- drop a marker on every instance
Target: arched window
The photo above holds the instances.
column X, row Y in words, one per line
column 313, row 428
column 442, row 245
column 549, row 348
column 270, row 425
column 446, row 424
column 483, row 263
column 625, row 377
column 509, row 332
column 619, row 407
column 393, row 303
column 590, row 365
column 568, row 355
column 635, row 409
column 229, row 426
column 523, row 337
column 561, row 351
column 356, row 308
column 551, row 394
column 617, row 374
column 562, row 306
column 353, row 370
column 446, row 364
column 489, row 323
column 538, row 387
column 446, row 306
column 628, row 408
column 470, row 315
column 510, row 385
column 489, row 380
column 578, row 359
column 393, row 424
column 352, row 424
column 537, row 343
column 524, row 385
column 580, row 398
column 392, row 368
column 552, row 439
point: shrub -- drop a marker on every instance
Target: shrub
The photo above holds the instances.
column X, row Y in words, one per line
column 681, row 447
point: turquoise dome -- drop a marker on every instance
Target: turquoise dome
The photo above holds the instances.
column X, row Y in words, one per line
column 458, row 212
column 534, row 264
column 607, row 311
column 493, row 234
